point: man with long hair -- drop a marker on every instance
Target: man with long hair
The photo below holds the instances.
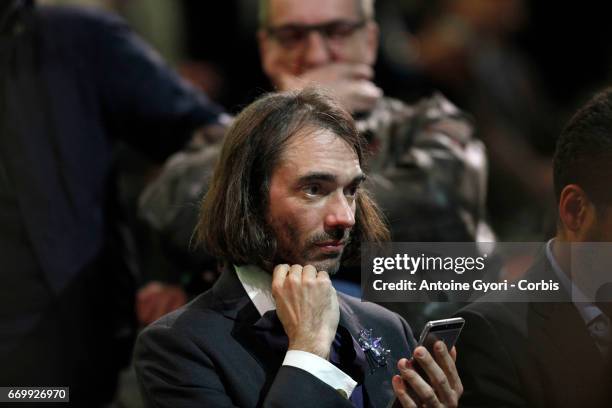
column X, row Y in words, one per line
column 285, row 208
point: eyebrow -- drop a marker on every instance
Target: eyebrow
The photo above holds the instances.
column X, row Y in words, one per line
column 328, row 177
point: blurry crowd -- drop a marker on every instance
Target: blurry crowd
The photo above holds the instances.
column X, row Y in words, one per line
column 112, row 115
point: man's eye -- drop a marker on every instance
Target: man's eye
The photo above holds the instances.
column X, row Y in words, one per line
column 352, row 191
column 342, row 29
column 312, row 189
column 289, row 36
column 339, row 31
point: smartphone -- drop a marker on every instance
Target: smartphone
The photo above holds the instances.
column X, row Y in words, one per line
column 447, row 330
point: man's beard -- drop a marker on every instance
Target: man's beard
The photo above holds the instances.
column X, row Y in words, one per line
column 290, row 251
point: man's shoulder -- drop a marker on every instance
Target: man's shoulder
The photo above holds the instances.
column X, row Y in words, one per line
column 513, row 304
column 509, row 315
column 82, row 17
column 78, row 28
column 193, row 319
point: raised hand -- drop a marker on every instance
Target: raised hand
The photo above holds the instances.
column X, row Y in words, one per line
column 307, row 306
column 350, row 83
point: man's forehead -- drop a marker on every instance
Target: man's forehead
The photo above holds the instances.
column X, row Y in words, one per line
column 283, row 12
column 313, row 150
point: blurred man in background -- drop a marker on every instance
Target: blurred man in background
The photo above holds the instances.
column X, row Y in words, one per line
column 429, row 169
column 73, row 82
column 555, row 351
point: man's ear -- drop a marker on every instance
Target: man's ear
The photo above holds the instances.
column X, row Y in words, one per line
column 372, row 38
column 574, row 208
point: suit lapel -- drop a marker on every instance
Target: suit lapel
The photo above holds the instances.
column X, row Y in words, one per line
column 377, row 382
column 249, row 329
column 558, row 333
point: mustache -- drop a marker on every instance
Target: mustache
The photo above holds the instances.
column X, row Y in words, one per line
column 343, row 235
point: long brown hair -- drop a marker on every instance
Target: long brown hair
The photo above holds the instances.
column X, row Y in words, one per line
column 232, row 224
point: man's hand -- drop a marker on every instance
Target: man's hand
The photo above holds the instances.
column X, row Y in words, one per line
column 444, row 387
column 156, row 299
column 307, row 306
column 350, row 83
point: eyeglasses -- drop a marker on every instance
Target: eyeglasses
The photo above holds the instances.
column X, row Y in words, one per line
column 292, row 35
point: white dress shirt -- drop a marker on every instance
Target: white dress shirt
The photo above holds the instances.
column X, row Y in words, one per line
column 258, row 285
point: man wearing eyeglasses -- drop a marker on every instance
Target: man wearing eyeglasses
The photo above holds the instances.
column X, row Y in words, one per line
column 333, row 43
column 429, row 172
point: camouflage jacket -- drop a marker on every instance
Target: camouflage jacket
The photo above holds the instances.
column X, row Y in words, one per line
column 427, row 171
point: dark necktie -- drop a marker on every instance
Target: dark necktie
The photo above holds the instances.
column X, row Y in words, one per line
column 347, row 355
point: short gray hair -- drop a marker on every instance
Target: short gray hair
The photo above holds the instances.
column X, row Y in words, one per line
column 365, row 8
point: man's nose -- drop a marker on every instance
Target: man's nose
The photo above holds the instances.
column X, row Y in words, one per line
column 341, row 213
column 316, row 51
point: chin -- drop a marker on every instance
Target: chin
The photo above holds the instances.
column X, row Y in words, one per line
column 331, row 266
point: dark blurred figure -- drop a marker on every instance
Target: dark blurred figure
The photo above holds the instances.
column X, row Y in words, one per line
column 71, row 83
column 466, row 47
column 233, row 62
column 555, row 351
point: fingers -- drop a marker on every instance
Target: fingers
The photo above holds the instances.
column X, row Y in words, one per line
column 401, row 393
column 453, row 353
column 351, row 83
column 309, row 274
column 446, row 361
column 444, row 385
column 323, row 275
column 352, row 71
column 279, row 274
column 425, row 393
column 295, row 274
column 362, row 95
column 337, row 72
column 437, row 377
column 307, row 307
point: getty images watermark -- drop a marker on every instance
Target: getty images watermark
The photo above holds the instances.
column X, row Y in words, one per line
column 487, row 272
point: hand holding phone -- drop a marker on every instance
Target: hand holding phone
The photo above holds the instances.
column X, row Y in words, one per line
column 438, row 383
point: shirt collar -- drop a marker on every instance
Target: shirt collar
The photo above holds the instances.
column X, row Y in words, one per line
column 588, row 311
column 258, row 285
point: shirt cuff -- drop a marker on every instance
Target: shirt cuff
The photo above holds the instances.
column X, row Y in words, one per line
column 322, row 369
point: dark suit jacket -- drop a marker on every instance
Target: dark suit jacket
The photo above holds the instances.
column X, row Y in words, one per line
column 72, row 82
column 530, row 355
column 213, row 353
column 75, row 80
